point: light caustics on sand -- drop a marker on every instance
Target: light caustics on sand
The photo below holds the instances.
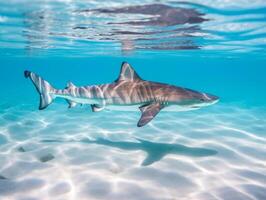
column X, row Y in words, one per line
column 60, row 155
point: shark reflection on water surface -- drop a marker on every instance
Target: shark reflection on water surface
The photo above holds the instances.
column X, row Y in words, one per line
column 136, row 27
column 157, row 14
column 155, row 17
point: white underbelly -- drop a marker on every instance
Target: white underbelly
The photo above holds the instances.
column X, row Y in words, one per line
column 78, row 99
column 171, row 108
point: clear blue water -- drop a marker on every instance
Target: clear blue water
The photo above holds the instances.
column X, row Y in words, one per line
column 217, row 152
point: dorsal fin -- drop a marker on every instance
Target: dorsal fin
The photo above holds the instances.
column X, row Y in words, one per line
column 69, row 85
column 127, row 73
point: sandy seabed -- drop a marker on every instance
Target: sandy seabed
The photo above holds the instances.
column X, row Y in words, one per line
column 214, row 153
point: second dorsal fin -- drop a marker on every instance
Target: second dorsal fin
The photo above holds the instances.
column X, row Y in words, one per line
column 127, row 73
column 70, row 84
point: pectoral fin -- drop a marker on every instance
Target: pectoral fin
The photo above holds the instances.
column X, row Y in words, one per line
column 149, row 111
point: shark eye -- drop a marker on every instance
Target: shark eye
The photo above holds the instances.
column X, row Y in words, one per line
column 202, row 100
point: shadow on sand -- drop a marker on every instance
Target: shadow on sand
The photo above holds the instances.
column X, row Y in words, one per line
column 154, row 151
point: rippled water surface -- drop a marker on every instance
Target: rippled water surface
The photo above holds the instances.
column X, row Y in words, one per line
column 214, row 153
column 85, row 27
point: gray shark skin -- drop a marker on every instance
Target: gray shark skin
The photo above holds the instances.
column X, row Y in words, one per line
column 162, row 15
column 128, row 92
column 154, row 151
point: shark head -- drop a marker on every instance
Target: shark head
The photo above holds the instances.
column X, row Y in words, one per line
column 195, row 100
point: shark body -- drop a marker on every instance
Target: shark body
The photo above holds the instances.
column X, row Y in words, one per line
column 128, row 92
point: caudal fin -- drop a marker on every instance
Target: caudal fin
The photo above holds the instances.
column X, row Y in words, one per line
column 43, row 88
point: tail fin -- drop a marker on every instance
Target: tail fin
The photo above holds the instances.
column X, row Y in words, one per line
column 43, row 88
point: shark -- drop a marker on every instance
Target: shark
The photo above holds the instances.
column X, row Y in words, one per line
column 129, row 92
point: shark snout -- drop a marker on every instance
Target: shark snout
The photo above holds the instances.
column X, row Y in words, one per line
column 210, row 97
